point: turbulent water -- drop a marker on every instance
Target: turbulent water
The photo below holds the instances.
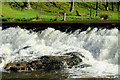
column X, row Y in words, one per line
column 100, row 48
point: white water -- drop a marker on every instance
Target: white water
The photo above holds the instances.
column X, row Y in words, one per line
column 100, row 48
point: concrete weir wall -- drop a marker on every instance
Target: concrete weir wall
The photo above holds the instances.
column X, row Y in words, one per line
column 63, row 26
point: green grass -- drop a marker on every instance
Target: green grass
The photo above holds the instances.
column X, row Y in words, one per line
column 83, row 18
column 0, row 11
column 15, row 14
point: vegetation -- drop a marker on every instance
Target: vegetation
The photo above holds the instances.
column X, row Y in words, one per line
column 54, row 11
column 104, row 16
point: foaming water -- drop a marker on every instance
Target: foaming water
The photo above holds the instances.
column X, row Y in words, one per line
column 100, row 48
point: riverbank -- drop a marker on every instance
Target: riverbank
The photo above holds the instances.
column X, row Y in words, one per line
column 102, row 21
column 83, row 11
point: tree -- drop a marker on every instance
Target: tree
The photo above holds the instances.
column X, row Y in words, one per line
column 90, row 8
column 112, row 6
column 96, row 7
column 106, row 5
column 26, row 4
column 72, row 6
column 118, row 9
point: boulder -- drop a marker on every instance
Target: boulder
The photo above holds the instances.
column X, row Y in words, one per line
column 45, row 63
column 17, row 67
column 74, row 59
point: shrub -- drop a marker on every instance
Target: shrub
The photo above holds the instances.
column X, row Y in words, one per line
column 104, row 16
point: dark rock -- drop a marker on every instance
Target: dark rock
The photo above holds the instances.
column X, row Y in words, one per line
column 46, row 63
column 14, row 69
column 74, row 59
column 83, row 65
column 26, row 47
column 9, row 65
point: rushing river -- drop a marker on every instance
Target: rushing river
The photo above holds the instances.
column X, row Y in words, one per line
column 100, row 48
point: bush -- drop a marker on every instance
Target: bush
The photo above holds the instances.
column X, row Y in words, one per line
column 104, row 16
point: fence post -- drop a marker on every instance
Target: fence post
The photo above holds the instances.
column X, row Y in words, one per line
column 64, row 15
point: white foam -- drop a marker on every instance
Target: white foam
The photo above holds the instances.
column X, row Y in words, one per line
column 100, row 48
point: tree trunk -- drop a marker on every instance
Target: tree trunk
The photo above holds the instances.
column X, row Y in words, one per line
column 112, row 6
column 96, row 7
column 107, row 6
column 36, row 5
column 90, row 12
column 118, row 6
column 27, row 4
column 40, row 8
column 72, row 6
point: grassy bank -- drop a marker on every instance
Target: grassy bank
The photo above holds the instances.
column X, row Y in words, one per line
column 49, row 12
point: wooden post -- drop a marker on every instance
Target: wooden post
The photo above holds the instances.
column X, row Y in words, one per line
column 64, row 15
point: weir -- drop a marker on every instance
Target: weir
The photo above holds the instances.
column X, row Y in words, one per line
column 63, row 26
column 97, row 48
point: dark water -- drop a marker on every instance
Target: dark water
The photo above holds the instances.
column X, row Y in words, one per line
column 65, row 27
column 34, row 74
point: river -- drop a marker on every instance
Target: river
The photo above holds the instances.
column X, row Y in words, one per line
column 99, row 46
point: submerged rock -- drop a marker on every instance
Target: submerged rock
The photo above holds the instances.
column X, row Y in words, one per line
column 73, row 60
column 17, row 66
column 45, row 63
